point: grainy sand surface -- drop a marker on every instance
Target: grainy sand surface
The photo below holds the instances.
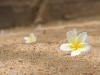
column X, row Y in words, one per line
column 44, row 56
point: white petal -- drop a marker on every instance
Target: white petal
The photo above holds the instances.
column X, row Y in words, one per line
column 33, row 37
column 75, row 53
column 86, row 48
column 27, row 41
column 65, row 47
column 26, row 38
column 83, row 37
column 30, row 39
column 71, row 34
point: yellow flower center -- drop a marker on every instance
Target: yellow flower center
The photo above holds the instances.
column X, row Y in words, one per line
column 76, row 44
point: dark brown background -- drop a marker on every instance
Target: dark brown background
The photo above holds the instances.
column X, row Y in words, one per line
column 26, row 12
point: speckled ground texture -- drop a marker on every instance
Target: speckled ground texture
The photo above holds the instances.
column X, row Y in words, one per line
column 44, row 56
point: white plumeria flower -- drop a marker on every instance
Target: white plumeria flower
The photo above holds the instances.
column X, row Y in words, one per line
column 77, row 43
column 31, row 38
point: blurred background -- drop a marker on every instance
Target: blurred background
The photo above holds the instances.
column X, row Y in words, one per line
column 49, row 20
column 27, row 12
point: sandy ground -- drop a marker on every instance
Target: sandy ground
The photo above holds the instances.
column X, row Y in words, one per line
column 44, row 57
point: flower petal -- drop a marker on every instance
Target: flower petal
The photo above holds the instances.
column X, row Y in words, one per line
column 71, row 34
column 83, row 37
column 65, row 47
column 26, row 38
column 86, row 48
column 27, row 41
column 75, row 53
column 33, row 37
column 30, row 39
